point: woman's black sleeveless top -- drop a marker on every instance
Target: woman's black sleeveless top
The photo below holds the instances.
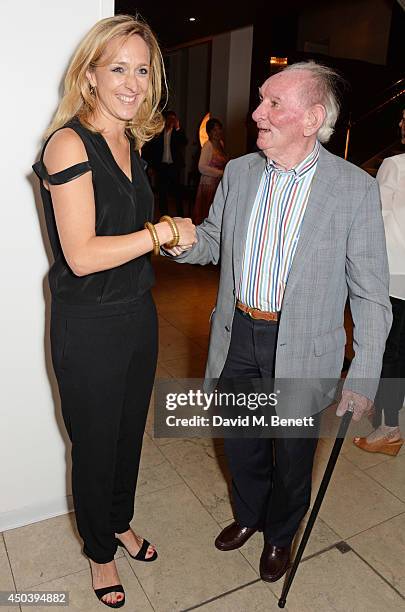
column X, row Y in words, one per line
column 122, row 207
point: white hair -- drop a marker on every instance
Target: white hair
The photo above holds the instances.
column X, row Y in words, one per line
column 323, row 91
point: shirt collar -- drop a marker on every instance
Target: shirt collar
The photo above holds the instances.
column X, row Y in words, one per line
column 301, row 169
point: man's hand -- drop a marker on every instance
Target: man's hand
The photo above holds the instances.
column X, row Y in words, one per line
column 360, row 405
column 178, row 250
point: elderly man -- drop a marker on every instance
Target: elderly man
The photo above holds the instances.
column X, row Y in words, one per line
column 296, row 229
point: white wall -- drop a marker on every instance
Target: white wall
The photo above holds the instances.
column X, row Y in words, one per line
column 36, row 43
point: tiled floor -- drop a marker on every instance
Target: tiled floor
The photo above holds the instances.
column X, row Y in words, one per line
column 183, row 502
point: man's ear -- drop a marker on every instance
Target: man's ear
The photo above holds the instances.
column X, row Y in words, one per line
column 314, row 118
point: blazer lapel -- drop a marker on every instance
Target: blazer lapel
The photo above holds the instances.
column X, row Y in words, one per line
column 249, row 181
column 322, row 201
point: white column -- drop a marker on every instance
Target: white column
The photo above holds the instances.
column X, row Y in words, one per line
column 230, row 85
column 37, row 41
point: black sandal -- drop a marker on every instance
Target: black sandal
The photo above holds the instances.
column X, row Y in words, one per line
column 117, row 588
column 141, row 554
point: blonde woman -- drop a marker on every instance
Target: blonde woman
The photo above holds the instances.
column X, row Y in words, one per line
column 97, row 202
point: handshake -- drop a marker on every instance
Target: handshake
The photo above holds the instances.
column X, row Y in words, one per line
column 187, row 236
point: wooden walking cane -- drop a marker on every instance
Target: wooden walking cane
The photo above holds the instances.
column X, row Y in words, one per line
column 344, row 425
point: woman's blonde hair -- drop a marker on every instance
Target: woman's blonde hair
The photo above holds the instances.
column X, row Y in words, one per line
column 78, row 100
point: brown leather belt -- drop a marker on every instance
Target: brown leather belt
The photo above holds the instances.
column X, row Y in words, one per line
column 255, row 313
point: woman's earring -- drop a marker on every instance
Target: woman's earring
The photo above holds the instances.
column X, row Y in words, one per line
column 92, row 89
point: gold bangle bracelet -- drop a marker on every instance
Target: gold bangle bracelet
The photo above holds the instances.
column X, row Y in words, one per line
column 175, row 231
column 155, row 239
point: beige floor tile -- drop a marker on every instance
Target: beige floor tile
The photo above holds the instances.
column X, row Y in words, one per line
column 165, row 300
column 254, row 597
column 163, row 441
column 167, row 295
column 323, row 450
column 155, row 472
column 44, row 551
column 391, row 475
column 173, row 343
column 336, row 582
column 182, row 307
column 189, row 569
column 322, row 536
column 202, row 340
column 161, row 372
column 213, row 447
column 82, row 597
column 6, row 578
column 362, row 459
column 149, row 428
column 163, row 322
column 320, row 462
column 354, row 501
column 344, row 507
column 151, row 455
column 150, row 417
column 204, row 473
column 7, row 608
column 190, row 323
column 383, row 547
column 162, row 386
column 162, row 295
column 188, row 366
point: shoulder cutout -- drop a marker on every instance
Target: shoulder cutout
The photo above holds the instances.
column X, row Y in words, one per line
column 63, row 158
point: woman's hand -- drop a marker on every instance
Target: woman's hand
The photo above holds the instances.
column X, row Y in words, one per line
column 187, row 236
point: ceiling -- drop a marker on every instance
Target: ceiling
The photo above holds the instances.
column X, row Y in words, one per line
column 170, row 21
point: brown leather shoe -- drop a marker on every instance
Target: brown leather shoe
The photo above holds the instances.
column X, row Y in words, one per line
column 234, row 536
column 274, row 562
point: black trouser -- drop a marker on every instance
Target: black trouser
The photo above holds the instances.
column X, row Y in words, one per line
column 169, row 183
column 391, row 393
column 271, row 478
column 105, row 369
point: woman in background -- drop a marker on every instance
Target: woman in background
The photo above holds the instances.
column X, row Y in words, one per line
column 213, row 160
column 98, row 208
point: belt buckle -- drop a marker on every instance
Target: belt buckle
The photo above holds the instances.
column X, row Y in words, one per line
column 252, row 316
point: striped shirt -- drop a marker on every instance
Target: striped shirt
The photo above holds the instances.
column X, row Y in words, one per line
column 273, row 232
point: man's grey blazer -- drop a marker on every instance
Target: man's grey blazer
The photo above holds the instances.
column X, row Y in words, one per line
column 341, row 251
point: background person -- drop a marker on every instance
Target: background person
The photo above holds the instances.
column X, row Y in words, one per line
column 97, row 200
column 211, row 166
column 386, row 438
column 165, row 155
